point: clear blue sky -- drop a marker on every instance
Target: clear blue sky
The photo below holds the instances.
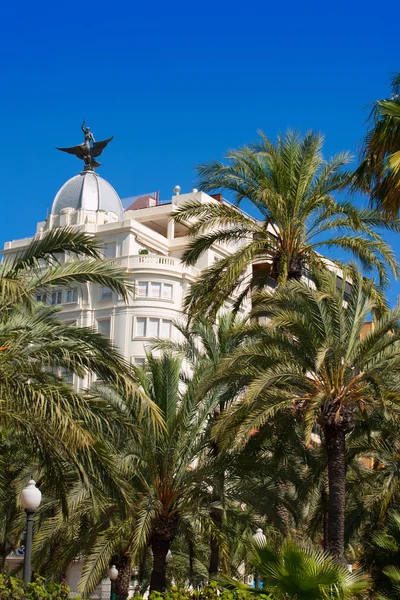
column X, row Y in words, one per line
column 177, row 83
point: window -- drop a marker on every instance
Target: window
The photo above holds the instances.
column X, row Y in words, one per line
column 143, row 287
column 71, row 296
column 56, row 297
column 153, row 327
column 155, row 290
column 67, row 375
column 167, row 291
column 110, row 250
column 148, row 327
column 141, row 327
column 138, row 361
column 105, row 294
column 104, row 327
column 41, row 298
column 165, row 328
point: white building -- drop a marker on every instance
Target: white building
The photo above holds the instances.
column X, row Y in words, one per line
column 145, row 241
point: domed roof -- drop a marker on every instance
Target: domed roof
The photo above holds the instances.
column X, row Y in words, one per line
column 89, row 191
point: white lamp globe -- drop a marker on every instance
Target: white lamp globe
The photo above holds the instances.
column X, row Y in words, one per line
column 113, row 573
column 31, row 497
column 259, row 538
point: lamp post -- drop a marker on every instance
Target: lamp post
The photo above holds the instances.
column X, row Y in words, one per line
column 259, row 540
column 31, row 497
column 113, row 575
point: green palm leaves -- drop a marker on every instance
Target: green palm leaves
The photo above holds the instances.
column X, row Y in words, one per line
column 292, row 186
column 379, row 171
column 56, row 425
column 302, row 573
column 312, row 359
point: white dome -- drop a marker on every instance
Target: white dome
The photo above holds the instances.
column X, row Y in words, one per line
column 89, row 191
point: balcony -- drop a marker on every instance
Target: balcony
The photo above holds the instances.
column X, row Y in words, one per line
column 155, row 262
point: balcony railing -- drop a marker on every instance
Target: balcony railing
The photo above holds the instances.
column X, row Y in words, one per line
column 152, row 259
column 168, row 263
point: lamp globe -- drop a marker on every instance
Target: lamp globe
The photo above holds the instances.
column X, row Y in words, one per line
column 113, row 573
column 31, row 497
column 259, row 538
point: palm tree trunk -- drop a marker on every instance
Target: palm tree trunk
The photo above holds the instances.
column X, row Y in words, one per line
column 324, row 502
column 160, row 547
column 216, row 517
column 122, row 583
column 335, row 437
column 191, row 563
column 282, row 513
column 215, row 514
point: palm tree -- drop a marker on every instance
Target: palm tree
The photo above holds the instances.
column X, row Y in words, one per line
column 250, row 476
column 293, row 187
column 37, row 347
column 312, row 360
column 204, row 346
column 301, row 573
column 60, row 434
column 160, row 468
column 379, row 171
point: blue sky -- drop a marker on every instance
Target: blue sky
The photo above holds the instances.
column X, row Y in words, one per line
column 177, row 83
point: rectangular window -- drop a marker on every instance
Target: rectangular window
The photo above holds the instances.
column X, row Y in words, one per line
column 143, row 289
column 67, row 375
column 41, row 298
column 138, row 361
column 155, row 290
column 141, row 327
column 167, row 291
column 71, row 296
column 56, row 297
column 154, row 327
column 110, row 250
column 165, row 328
column 104, row 327
column 105, row 294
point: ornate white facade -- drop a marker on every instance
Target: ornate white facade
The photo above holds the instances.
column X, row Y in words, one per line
column 145, row 241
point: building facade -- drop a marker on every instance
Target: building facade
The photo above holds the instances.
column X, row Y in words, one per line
column 145, row 241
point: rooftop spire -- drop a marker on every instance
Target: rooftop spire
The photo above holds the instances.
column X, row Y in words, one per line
column 89, row 150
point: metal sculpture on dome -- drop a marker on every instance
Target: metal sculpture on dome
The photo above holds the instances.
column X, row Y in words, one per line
column 89, row 150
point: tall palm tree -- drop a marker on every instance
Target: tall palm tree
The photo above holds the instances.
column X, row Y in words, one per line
column 378, row 173
column 312, row 359
column 204, row 346
column 293, row 188
column 250, row 476
column 160, row 467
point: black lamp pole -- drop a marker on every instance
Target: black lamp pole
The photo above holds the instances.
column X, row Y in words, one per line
column 28, row 547
column 30, row 500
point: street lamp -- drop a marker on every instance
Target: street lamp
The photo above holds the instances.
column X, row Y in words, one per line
column 113, row 575
column 259, row 541
column 31, row 497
